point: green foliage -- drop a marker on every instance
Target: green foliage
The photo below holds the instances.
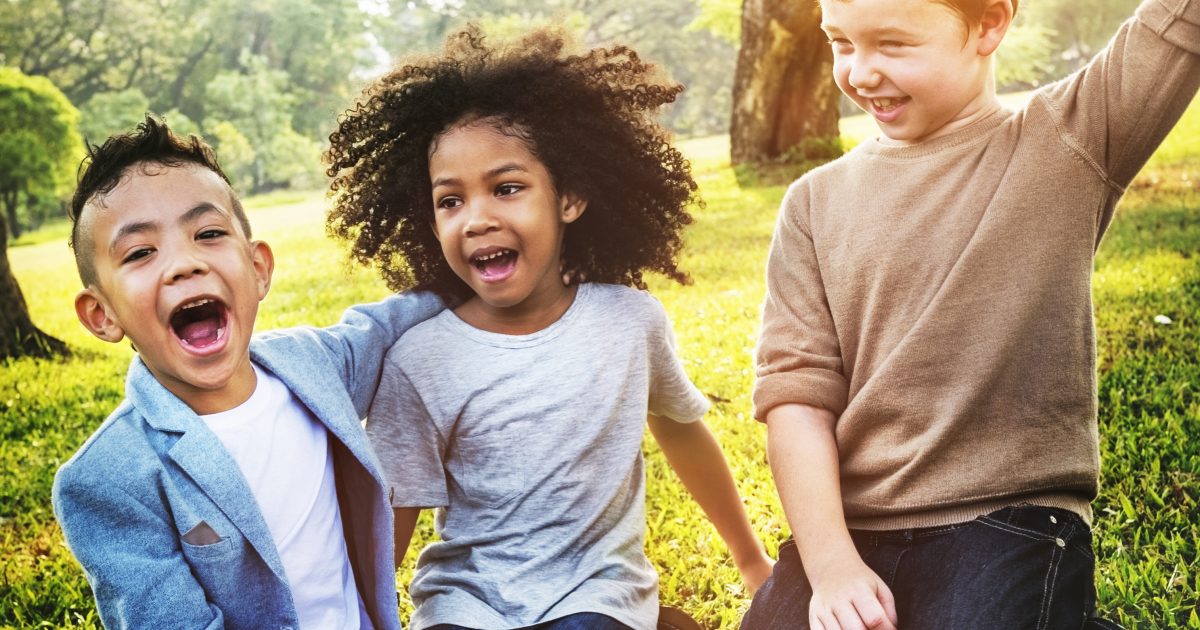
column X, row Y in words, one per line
column 1026, row 56
column 39, row 144
column 250, row 124
column 1146, row 532
column 722, row 18
column 662, row 31
column 110, row 113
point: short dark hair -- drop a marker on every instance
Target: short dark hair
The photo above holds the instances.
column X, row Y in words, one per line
column 588, row 117
column 151, row 142
column 971, row 11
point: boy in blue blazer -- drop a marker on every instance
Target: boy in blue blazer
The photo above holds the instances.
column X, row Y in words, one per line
column 234, row 487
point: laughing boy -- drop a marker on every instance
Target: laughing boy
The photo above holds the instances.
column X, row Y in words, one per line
column 927, row 365
column 234, row 487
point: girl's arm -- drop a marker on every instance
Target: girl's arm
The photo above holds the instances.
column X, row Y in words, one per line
column 406, row 522
column 695, row 456
column 803, row 452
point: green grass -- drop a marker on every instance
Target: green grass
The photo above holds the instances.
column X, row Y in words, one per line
column 1149, row 264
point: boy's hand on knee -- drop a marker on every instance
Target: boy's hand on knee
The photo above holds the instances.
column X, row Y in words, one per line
column 850, row 596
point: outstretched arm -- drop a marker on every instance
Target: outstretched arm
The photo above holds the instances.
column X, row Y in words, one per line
column 695, row 456
column 804, row 460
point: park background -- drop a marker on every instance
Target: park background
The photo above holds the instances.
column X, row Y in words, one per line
column 264, row 84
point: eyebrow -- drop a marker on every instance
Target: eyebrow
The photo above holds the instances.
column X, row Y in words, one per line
column 499, row 170
column 882, row 31
column 141, row 227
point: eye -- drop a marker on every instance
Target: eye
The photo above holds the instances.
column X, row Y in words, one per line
column 210, row 234
column 449, row 202
column 136, row 255
column 504, row 190
column 891, row 43
column 841, row 44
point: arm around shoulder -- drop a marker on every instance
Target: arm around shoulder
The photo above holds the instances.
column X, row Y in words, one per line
column 365, row 333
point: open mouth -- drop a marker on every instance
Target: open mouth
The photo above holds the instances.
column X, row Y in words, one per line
column 200, row 323
column 885, row 105
column 495, row 264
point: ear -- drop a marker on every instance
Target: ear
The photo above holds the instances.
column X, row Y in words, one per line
column 263, row 260
column 573, row 207
column 95, row 316
column 993, row 24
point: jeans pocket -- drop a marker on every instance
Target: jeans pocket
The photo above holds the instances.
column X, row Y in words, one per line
column 1047, row 554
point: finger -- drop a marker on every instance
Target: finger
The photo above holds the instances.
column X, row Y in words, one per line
column 889, row 604
column 847, row 616
column 872, row 614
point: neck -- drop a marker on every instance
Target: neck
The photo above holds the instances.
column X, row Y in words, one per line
column 526, row 318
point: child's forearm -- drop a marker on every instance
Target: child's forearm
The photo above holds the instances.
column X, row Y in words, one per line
column 804, row 461
column 405, row 524
column 696, row 458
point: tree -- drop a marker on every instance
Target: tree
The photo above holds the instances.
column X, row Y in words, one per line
column 674, row 34
column 38, row 148
column 783, row 89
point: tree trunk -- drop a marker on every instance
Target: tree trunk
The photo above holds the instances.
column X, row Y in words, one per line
column 18, row 336
column 783, row 90
column 10, row 209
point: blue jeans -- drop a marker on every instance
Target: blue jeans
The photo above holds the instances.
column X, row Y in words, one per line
column 578, row 621
column 1018, row 568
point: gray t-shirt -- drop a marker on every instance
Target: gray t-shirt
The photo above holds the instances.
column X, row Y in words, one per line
column 530, row 446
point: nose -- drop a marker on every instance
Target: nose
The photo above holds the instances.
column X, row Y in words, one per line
column 184, row 264
column 863, row 72
column 481, row 219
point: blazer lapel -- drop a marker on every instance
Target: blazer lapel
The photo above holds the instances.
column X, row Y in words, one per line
column 204, row 459
column 328, row 402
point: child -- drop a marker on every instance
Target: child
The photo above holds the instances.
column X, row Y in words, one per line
column 480, row 175
column 927, row 362
column 235, row 486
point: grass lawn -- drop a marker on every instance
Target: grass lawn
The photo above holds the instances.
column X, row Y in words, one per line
column 1147, row 530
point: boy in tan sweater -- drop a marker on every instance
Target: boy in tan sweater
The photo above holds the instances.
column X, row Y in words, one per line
column 927, row 362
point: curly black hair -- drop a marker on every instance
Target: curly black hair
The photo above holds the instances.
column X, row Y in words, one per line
column 588, row 117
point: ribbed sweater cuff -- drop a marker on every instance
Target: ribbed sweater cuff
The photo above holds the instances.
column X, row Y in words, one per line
column 816, row 388
column 1176, row 21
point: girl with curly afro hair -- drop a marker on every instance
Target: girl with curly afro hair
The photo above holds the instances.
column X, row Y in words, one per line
column 481, row 174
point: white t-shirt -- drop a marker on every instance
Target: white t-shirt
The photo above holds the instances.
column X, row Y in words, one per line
column 283, row 453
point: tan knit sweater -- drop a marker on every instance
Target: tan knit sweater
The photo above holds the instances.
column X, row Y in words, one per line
column 937, row 297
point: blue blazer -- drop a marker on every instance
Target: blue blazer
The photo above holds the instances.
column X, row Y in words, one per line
column 153, row 471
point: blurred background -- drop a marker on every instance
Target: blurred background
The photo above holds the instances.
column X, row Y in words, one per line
column 264, row 81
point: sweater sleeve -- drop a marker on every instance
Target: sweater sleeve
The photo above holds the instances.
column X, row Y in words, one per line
column 798, row 356
column 1117, row 110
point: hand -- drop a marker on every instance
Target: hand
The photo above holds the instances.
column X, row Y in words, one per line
column 849, row 596
column 755, row 571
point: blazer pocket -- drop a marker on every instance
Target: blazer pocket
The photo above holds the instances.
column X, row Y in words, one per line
column 207, row 552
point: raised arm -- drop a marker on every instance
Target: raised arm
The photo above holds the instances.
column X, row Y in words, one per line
column 1118, row 109
column 804, row 460
column 695, row 456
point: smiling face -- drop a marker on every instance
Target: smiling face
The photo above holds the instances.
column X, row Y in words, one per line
column 176, row 274
column 915, row 65
column 500, row 223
